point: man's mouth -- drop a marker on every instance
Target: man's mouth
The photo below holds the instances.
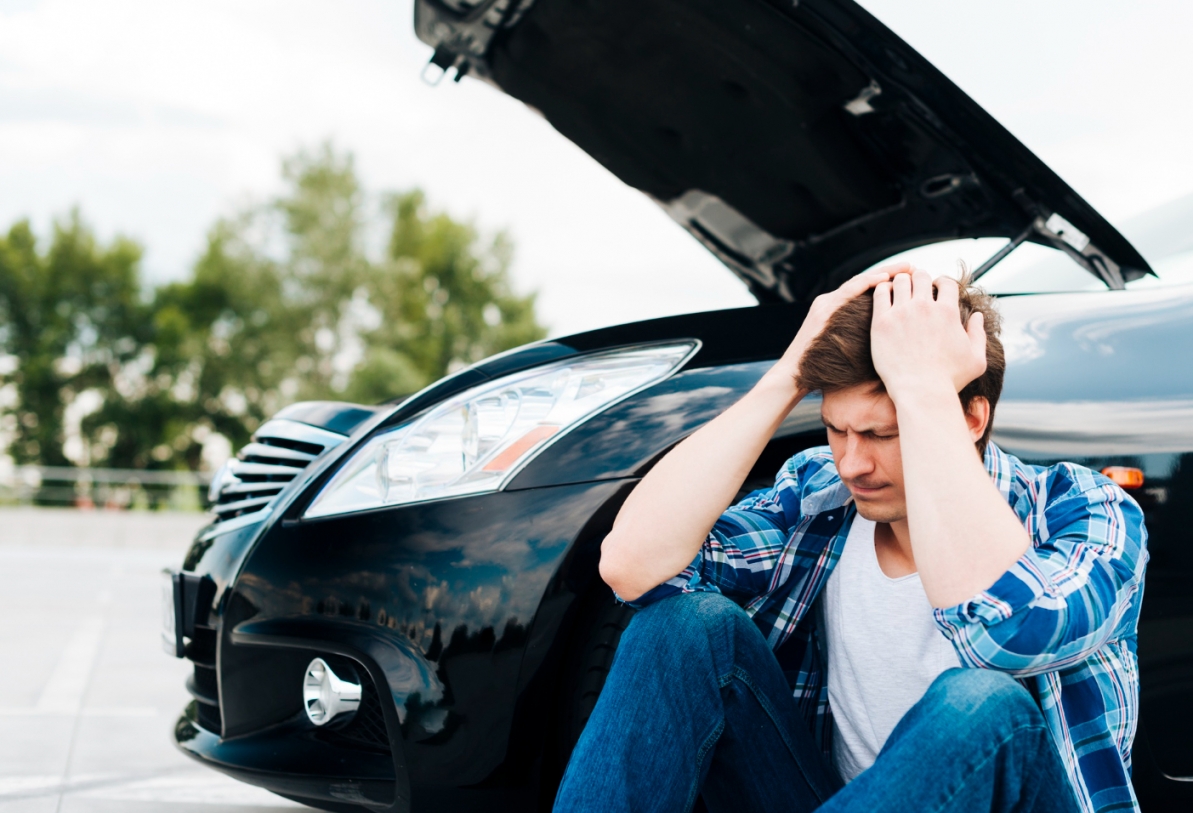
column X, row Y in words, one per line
column 865, row 490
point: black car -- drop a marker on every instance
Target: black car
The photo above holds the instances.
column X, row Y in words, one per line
column 398, row 607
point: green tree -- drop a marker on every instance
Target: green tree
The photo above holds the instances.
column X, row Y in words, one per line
column 291, row 287
column 73, row 320
column 443, row 298
column 284, row 303
column 221, row 343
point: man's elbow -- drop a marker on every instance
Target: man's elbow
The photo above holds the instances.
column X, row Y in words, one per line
column 617, row 571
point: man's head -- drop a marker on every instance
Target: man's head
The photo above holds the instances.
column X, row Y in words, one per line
column 859, row 415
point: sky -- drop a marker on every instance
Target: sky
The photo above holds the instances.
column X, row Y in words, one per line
column 156, row 118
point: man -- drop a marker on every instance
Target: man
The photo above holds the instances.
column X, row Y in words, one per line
column 903, row 622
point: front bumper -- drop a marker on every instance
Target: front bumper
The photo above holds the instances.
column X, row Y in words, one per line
column 348, row 768
column 290, row 760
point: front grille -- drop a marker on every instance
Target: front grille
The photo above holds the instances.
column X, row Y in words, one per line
column 209, row 717
column 203, row 686
column 279, row 450
column 202, row 683
column 367, row 729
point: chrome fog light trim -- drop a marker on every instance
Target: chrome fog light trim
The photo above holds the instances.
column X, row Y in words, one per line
column 326, row 696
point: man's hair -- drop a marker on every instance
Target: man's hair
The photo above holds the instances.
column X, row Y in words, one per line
column 840, row 358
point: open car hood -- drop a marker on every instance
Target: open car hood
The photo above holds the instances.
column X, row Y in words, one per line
column 799, row 140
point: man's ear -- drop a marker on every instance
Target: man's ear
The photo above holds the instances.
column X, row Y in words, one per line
column 977, row 415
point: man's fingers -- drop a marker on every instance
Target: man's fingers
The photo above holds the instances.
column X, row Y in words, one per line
column 882, row 298
column 894, row 268
column 947, row 291
column 921, row 284
column 856, row 286
column 976, row 330
column 901, row 287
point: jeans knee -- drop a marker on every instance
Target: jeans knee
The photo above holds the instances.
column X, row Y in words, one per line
column 980, row 698
column 685, row 617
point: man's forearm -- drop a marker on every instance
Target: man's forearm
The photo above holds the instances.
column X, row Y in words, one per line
column 964, row 536
column 667, row 517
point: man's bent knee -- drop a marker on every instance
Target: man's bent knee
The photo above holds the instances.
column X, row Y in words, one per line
column 694, row 608
column 983, row 696
column 685, row 616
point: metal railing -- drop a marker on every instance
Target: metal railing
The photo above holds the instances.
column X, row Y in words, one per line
column 104, row 488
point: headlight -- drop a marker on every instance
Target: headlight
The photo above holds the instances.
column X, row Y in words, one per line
column 476, row 441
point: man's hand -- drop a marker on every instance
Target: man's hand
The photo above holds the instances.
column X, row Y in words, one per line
column 823, row 307
column 917, row 339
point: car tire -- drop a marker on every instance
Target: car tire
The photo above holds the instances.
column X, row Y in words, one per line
column 596, row 659
column 596, row 631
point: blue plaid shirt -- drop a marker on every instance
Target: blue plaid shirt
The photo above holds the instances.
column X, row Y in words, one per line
column 1062, row 620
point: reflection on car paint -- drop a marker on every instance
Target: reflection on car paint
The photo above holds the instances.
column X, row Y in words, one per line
column 458, row 582
column 1122, row 346
column 621, row 441
column 1063, row 429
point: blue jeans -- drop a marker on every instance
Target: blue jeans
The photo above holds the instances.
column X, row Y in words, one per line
column 696, row 705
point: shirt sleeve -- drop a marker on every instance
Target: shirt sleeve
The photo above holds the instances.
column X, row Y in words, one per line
column 1075, row 590
column 740, row 554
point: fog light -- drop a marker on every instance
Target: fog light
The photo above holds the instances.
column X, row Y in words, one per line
column 326, row 696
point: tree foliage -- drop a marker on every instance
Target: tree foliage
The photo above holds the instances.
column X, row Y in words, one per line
column 286, row 302
column 443, row 300
column 71, row 321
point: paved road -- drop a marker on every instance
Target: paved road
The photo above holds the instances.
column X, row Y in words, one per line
column 87, row 697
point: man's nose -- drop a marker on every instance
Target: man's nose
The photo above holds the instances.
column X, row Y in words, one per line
column 854, row 461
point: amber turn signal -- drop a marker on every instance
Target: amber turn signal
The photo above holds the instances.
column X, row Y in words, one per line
column 1125, row 476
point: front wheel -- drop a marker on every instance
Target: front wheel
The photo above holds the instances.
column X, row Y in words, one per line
column 595, row 661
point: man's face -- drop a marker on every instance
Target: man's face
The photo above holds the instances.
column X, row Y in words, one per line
column 864, row 436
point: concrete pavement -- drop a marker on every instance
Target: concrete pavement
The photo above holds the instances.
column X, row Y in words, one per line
column 87, row 697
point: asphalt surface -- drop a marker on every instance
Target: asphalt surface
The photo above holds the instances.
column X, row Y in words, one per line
column 87, row 696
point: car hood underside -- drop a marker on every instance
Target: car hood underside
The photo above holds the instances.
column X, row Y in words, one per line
column 799, row 141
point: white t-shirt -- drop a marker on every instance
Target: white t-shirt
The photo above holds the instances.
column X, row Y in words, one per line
column 884, row 650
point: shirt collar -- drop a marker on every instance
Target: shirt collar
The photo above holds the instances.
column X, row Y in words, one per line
column 999, row 467
column 833, row 494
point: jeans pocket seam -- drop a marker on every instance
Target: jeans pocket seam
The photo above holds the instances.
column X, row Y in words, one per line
column 773, row 714
column 705, row 747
